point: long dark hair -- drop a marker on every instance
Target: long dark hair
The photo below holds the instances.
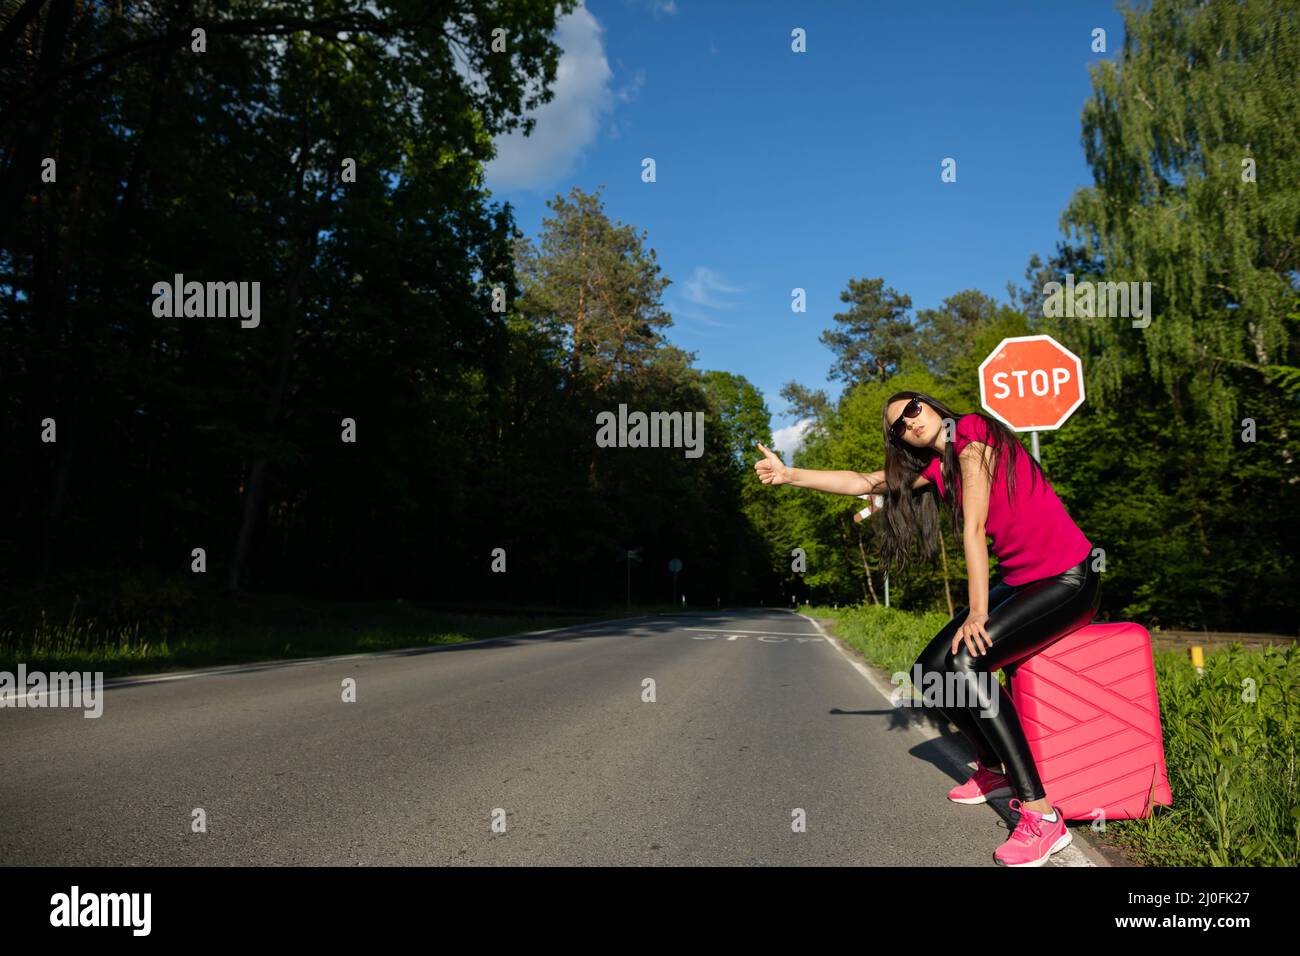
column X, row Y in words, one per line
column 910, row 519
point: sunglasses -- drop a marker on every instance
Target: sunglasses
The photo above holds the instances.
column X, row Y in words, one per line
column 912, row 410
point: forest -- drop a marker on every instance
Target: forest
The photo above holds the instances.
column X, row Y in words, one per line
column 396, row 393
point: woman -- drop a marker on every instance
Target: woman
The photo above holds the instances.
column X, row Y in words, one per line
column 1047, row 586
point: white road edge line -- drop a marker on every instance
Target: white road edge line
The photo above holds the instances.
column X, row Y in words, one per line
column 1078, row 853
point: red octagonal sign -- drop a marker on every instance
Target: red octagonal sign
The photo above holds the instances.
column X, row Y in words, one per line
column 1031, row 382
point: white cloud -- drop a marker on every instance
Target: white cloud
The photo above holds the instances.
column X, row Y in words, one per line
column 705, row 289
column 570, row 122
column 629, row 92
column 786, row 441
column 656, row 7
column 705, row 286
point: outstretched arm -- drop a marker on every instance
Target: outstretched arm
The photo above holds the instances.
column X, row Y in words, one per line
column 838, row 482
column 772, row 471
column 846, row 482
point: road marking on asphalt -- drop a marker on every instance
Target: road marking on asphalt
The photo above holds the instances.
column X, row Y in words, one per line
column 1073, row 855
column 765, row 638
column 733, row 631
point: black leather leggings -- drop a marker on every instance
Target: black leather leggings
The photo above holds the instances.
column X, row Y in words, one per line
column 1023, row 619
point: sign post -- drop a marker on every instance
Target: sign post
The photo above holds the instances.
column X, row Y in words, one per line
column 633, row 554
column 1031, row 383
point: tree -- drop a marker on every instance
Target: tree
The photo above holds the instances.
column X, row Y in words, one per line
column 593, row 281
column 228, row 165
column 945, row 335
column 1191, row 137
column 804, row 402
column 875, row 335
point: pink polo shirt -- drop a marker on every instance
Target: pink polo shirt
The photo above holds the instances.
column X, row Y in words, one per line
column 1032, row 535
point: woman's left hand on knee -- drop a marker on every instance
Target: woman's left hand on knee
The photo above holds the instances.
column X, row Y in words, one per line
column 973, row 633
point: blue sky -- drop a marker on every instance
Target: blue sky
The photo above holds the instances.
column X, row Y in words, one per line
column 778, row 170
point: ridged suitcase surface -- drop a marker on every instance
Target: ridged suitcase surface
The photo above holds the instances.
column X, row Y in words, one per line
column 1090, row 712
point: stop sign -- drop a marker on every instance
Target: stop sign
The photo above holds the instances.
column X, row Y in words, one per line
column 1031, row 382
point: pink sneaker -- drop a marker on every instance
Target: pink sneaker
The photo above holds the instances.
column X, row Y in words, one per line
column 984, row 784
column 1034, row 839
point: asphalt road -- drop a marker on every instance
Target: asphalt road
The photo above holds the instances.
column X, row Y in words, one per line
column 757, row 718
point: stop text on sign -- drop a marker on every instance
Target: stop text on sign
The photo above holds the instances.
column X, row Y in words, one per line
column 1040, row 382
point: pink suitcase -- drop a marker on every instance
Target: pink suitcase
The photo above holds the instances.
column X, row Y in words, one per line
column 1090, row 712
